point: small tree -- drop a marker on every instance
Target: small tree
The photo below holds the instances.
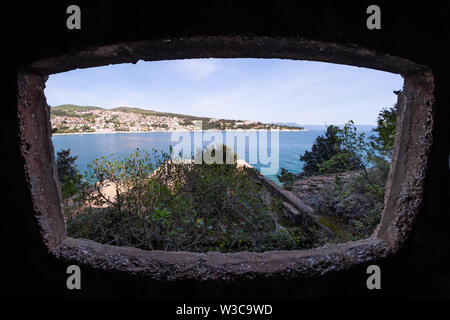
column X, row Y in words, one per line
column 68, row 174
column 357, row 150
column 362, row 152
column 383, row 142
column 325, row 148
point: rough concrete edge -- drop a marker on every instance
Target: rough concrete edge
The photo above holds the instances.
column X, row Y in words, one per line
column 405, row 186
column 225, row 47
column 38, row 154
column 213, row 266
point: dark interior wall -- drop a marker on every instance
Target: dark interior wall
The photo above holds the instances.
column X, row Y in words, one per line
column 38, row 30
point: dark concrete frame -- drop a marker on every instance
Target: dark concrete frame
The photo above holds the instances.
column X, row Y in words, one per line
column 403, row 197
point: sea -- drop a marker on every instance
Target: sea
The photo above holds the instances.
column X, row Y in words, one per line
column 287, row 146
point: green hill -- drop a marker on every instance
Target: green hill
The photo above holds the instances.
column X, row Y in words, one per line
column 87, row 119
column 70, row 109
column 157, row 113
column 73, row 107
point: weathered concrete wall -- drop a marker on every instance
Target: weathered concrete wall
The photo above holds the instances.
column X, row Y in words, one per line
column 418, row 269
column 37, row 150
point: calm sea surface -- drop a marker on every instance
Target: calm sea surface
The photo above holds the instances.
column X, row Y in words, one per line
column 87, row 147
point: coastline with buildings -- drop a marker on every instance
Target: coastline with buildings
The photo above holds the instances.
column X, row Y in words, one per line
column 72, row 119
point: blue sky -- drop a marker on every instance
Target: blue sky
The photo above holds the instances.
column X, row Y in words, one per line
column 266, row 90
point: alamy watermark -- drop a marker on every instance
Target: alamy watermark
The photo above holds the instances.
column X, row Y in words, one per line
column 74, row 280
column 73, row 22
column 373, row 22
column 260, row 152
column 374, row 280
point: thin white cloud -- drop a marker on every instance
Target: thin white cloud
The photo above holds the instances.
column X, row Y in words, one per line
column 259, row 90
column 196, row 69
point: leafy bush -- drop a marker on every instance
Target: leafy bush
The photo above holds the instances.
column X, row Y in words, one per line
column 383, row 142
column 160, row 204
column 325, row 148
column 286, row 176
column 326, row 156
column 355, row 148
column 353, row 207
column 341, row 150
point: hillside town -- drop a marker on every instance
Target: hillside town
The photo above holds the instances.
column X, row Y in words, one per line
column 65, row 120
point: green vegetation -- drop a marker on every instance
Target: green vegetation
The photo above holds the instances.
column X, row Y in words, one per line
column 343, row 149
column 353, row 205
column 69, row 110
column 328, row 151
column 357, row 153
column 69, row 177
column 383, row 142
column 151, row 202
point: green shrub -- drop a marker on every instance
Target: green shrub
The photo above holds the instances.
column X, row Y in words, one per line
column 286, row 177
column 383, row 142
column 160, row 204
column 324, row 149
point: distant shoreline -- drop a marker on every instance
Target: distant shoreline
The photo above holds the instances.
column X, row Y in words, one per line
column 126, row 132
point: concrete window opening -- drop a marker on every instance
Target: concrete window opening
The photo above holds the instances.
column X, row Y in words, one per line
column 403, row 187
column 310, row 168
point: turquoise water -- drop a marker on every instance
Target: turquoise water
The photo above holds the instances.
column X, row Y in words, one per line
column 87, row 147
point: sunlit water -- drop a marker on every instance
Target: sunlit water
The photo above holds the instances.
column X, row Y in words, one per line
column 87, row 147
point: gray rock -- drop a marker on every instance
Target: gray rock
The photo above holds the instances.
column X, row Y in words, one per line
column 354, row 206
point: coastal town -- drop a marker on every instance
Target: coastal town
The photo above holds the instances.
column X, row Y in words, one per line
column 67, row 119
